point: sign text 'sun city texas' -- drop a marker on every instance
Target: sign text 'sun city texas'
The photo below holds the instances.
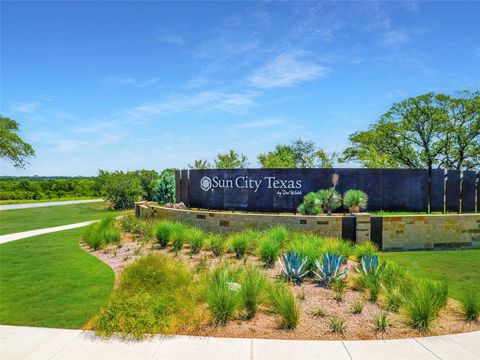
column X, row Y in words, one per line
column 283, row 187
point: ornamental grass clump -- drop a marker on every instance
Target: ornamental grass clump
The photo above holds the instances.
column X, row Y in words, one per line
column 470, row 305
column 371, row 272
column 365, row 249
column 217, row 244
column 337, row 325
column 355, row 200
column 268, row 249
column 252, row 290
column 341, row 247
column 424, row 301
column 238, row 243
column 309, row 246
column 277, row 234
column 395, row 283
column 285, row 304
column 178, row 237
column 356, row 307
column 381, row 321
column 155, row 294
column 223, row 295
column 101, row 233
column 163, row 232
column 195, row 238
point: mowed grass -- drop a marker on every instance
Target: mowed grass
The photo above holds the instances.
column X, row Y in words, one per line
column 459, row 268
column 12, row 221
column 50, row 281
column 31, row 201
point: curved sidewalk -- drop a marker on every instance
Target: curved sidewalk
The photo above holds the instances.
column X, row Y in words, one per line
column 26, row 234
column 18, row 342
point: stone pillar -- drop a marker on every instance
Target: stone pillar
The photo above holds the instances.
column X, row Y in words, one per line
column 363, row 225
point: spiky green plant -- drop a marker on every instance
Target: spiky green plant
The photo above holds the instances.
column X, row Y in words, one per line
column 309, row 246
column 217, row 244
column 357, row 307
column 310, row 205
column 268, row 250
column 329, row 269
column 238, row 243
column 163, row 232
column 278, row 234
column 424, row 301
column 470, row 305
column 319, row 311
column 252, row 291
column 196, row 238
column 355, row 200
column 285, row 304
column 381, row 321
column 293, row 266
column 338, row 285
column 337, row 325
column 341, row 247
column 365, row 249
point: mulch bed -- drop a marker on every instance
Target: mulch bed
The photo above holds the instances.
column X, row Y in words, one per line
column 310, row 295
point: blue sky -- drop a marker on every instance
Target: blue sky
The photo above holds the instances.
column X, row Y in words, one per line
column 130, row 85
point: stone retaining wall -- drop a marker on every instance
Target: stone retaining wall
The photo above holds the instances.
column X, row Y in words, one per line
column 405, row 232
column 411, row 232
column 230, row 222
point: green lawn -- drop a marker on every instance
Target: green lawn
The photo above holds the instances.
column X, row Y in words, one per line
column 12, row 221
column 50, row 281
column 460, row 268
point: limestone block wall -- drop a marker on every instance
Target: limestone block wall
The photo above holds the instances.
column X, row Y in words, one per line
column 413, row 232
column 230, row 222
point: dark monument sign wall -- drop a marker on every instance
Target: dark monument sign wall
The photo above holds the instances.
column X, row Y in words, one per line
column 282, row 190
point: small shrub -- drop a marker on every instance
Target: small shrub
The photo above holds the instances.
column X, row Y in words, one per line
column 238, row 244
column 470, row 306
column 293, row 266
column 357, row 307
column 310, row 205
column 365, row 249
column 223, row 300
column 341, row 247
column 196, row 238
column 319, row 311
column 424, row 301
column 329, row 200
column 337, row 325
column 268, row 250
column 355, row 200
column 253, row 289
column 217, row 244
column 285, row 304
column 129, row 223
column 381, row 321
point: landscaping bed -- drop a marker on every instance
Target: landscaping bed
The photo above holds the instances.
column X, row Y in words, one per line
column 306, row 309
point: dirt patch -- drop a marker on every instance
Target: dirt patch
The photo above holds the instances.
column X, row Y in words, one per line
column 310, row 295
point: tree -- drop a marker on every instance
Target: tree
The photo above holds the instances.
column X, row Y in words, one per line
column 431, row 130
column 121, row 189
column 410, row 135
column 231, row 160
column 300, row 154
column 462, row 150
column 200, row 164
column 165, row 189
column 148, row 181
column 12, row 147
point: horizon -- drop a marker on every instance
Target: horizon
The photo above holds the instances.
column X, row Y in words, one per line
column 148, row 85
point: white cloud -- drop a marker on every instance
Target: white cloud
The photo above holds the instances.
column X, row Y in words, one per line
column 118, row 80
column 394, row 39
column 260, row 123
column 286, row 70
column 27, row 108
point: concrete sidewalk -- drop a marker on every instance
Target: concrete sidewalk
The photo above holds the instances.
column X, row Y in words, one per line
column 42, row 343
column 47, row 203
column 30, row 233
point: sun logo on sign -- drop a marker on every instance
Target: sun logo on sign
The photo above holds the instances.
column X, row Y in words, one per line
column 205, row 183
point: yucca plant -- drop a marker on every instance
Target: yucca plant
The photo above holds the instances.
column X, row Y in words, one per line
column 293, row 266
column 252, row 291
column 329, row 268
column 285, row 304
column 329, row 200
column 355, row 200
column 470, row 306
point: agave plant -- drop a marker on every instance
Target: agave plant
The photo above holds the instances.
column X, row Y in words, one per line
column 369, row 265
column 329, row 268
column 293, row 266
